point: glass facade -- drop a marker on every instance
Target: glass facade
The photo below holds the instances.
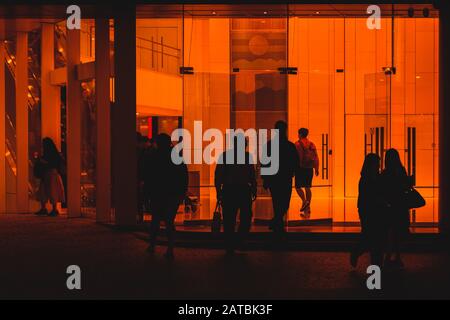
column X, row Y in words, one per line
column 358, row 90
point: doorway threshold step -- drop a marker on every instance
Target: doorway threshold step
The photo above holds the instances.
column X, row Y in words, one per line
column 298, row 223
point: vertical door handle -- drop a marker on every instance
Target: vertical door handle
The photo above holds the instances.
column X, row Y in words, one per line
column 413, row 154
column 323, row 156
column 381, row 146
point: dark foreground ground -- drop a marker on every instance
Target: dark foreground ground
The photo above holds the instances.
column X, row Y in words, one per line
column 35, row 252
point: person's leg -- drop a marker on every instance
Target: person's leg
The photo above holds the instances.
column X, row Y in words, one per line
column 376, row 251
column 42, row 194
column 229, row 221
column 284, row 199
column 245, row 216
column 389, row 246
column 171, row 213
column 277, row 221
column 361, row 246
column 396, row 240
column 308, row 195
column 301, row 194
column 54, row 211
column 154, row 226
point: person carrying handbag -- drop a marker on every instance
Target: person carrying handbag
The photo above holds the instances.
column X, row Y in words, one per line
column 397, row 189
column 236, row 189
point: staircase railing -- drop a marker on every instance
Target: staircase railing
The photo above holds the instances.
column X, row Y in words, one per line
column 32, row 102
column 11, row 63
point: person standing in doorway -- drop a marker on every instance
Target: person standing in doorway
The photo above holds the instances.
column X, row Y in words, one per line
column 236, row 190
column 309, row 165
column 280, row 184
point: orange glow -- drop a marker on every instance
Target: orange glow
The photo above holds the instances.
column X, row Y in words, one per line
column 341, row 92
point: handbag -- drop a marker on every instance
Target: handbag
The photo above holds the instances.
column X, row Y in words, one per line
column 217, row 218
column 413, row 199
column 39, row 169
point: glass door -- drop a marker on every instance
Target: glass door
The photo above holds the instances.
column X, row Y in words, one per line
column 234, row 77
column 419, row 154
column 258, row 86
column 368, row 78
column 377, row 113
column 312, row 99
column 205, row 73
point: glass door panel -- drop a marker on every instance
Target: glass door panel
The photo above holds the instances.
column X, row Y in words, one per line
column 419, row 162
column 368, row 72
column 231, row 80
column 258, row 83
column 312, row 43
column 206, row 101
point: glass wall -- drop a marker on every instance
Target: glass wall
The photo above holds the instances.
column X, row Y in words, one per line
column 358, row 90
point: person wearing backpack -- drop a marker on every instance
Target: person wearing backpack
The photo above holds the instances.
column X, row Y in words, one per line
column 309, row 165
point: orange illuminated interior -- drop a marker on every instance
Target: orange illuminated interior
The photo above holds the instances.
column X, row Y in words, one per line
column 340, row 92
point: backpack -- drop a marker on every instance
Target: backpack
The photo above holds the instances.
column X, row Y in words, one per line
column 308, row 155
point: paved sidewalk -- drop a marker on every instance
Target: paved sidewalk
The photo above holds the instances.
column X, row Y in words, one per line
column 35, row 252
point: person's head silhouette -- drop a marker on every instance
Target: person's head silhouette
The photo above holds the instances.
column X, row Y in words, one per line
column 371, row 166
column 392, row 161
column 49, row 147
column 163, row 142
column 282, row 128
column 303, row 133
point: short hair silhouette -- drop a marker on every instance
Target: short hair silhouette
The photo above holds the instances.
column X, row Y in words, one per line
column 282, row 128
column 163, row 141
column 303, row 132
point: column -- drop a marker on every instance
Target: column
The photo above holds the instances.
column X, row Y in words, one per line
column 74, row 103
column 102, row 96
column 444, row 117
column 50, row 94
column 21, row 73
column 2, row 132
column 124, row 116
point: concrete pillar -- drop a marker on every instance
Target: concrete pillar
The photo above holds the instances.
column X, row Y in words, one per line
column 74, row 103
column 444, row 117
column 50, row 94
column 21, row 74
column 124, row 115
column 102, row 96
column 2, row 132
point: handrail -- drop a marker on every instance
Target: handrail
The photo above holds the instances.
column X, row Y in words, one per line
column 157, row 51
column 158, row 43
column 10, row 62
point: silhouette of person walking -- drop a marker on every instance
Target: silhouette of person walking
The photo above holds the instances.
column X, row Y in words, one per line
column 309, row 165
column 280, row 184
column 49, row 169
column 372, row 213
column 235, row 184
column 166, row 185
column 394, row 183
